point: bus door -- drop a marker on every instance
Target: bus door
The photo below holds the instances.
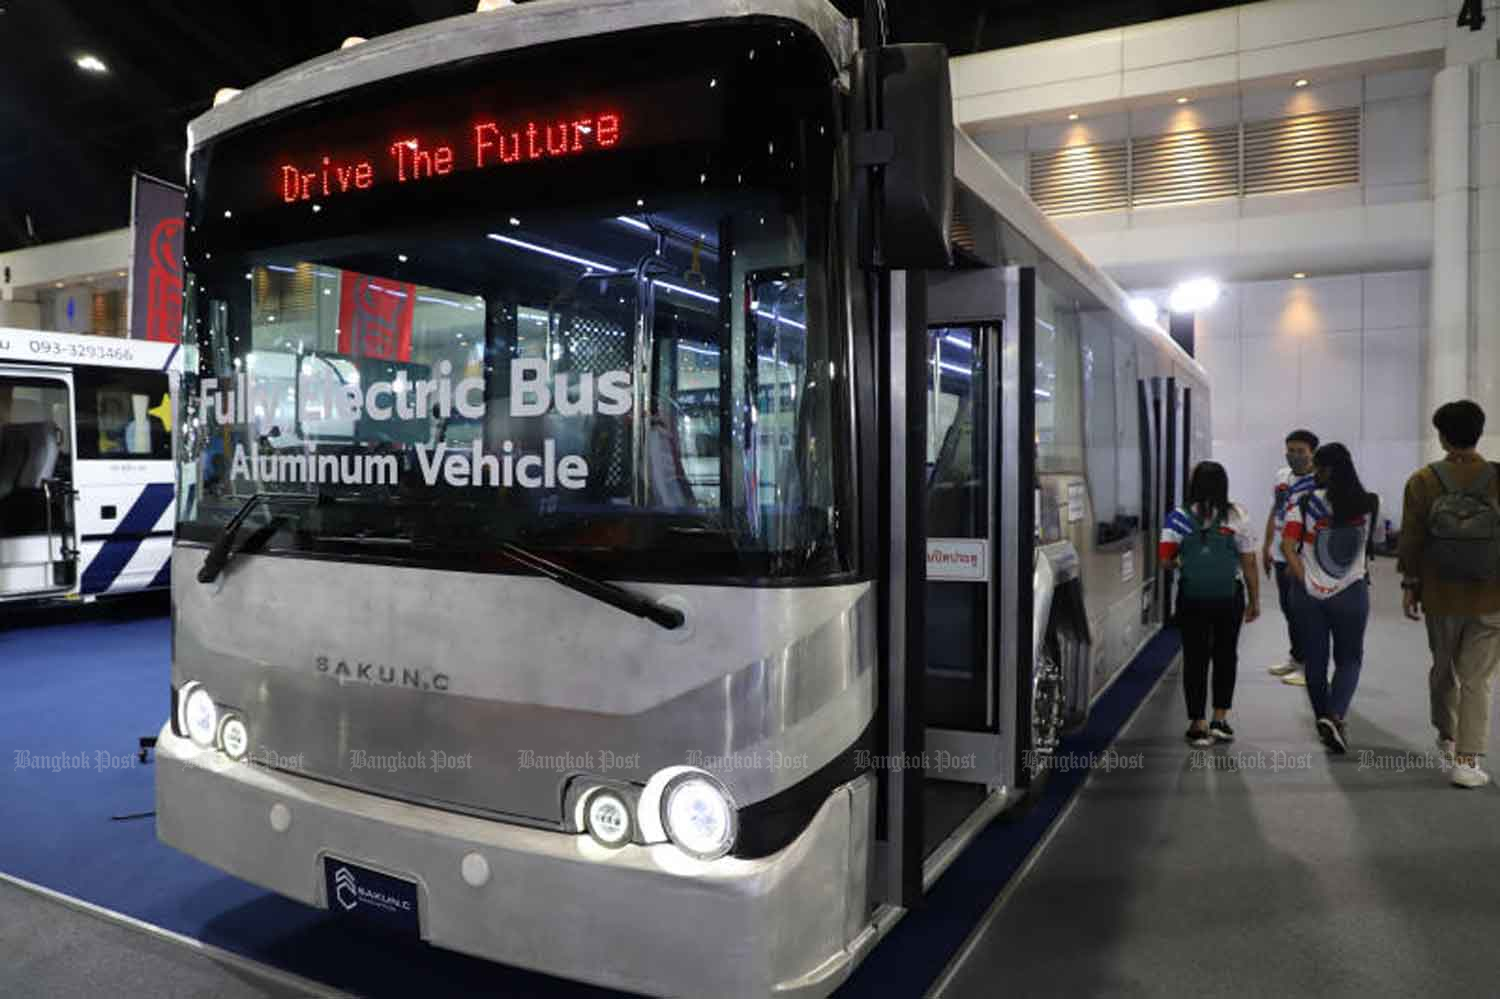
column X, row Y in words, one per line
column 38, row 549
column 960, row 696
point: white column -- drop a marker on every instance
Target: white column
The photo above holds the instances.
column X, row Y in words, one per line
column 1463, row 345
column 1448, row 355
column 1486, row 255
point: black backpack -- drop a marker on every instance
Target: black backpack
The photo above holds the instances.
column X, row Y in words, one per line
column 1463, row 529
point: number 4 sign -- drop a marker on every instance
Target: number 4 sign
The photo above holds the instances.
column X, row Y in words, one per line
column 1472, row 15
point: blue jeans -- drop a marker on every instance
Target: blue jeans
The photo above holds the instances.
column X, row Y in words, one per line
column 1342, row 619
column 1284, row 585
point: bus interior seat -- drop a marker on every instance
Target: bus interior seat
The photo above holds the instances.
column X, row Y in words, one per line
column 28, row 457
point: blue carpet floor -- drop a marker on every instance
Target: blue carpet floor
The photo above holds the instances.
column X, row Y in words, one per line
column 77, row 689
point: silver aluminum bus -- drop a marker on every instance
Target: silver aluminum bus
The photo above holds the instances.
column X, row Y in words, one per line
column 652, row 490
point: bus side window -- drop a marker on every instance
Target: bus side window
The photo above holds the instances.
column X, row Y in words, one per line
column 123, row 413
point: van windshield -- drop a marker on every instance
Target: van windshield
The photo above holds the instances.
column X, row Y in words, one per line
column 648, row 377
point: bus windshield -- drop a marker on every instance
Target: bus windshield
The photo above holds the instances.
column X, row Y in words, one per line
column 631, row 350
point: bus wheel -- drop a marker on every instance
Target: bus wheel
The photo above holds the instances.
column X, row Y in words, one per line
column 1048, row 706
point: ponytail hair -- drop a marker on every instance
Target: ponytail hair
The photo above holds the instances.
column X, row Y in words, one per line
column 1346, row 494
column 1208, row 490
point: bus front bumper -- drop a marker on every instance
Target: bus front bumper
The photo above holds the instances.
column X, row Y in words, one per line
column 644, row 918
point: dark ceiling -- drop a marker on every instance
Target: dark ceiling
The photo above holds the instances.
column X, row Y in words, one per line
column 69, row 139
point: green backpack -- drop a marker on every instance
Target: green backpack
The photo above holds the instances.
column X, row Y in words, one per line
column 1210, row 563
column 1463, row 529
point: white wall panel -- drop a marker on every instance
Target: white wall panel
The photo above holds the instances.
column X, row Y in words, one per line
column 1396, row 136
column 1392, row 384
column 1178, row 39
column 1396, row 300
column 1278, row 362
column 1282, row 22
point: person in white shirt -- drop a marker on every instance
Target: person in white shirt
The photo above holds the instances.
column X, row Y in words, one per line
column 1326, row 542
column 1212, row 546
column 1292, row 480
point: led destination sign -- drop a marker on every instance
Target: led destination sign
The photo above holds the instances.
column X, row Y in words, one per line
column 482, row 144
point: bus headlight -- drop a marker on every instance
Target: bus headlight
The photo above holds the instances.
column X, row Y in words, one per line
column 608, row 818
column 698, row 815
column 200, row 717
column 234, row 738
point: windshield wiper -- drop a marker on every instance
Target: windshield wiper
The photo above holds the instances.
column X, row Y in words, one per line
column 218, row 555
column 610, row 593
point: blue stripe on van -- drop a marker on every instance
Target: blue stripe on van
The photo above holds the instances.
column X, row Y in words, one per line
column 163, row 577
column 126, row 541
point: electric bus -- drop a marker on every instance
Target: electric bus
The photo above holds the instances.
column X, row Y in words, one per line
column 651, row 489
column 86, row 476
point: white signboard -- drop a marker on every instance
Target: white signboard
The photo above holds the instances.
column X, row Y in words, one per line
column 1127, row 567
column 964, row 560
column 1076, row 497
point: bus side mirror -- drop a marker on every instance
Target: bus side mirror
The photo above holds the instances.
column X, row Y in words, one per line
column 913, row 142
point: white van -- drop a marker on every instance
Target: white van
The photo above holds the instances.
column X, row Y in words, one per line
column 86, row 473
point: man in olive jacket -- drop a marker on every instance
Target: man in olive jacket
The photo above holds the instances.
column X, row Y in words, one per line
column 1463, row 618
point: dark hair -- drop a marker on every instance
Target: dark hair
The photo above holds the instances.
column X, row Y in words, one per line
column 1461, row 423
column 1208, row 489
column 1346, row 494
column 1303, row 437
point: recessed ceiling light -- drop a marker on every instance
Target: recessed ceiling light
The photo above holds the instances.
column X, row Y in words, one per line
column 1073, row 116
column 91, row 63
column 1301, row 83
column 58, row 285
column 1182, row 100
column 1299, row 275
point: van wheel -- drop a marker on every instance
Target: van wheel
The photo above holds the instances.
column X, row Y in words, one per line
column 1048, row 705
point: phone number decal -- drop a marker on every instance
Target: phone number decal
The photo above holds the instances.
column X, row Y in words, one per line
column 81, row 352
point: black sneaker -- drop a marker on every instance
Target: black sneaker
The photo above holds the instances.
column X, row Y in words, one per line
column 1199, row 737
column 1330, row 732
column 1220, row 730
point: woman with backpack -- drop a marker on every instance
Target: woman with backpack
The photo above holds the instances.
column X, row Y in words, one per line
column 1326, row 542
column 1212, row 546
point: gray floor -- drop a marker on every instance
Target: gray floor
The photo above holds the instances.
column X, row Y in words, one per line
column 50, row 950
column 1275, row 869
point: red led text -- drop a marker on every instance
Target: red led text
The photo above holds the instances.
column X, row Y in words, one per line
column 487, row 144
column 536, row 140
column 329, row 179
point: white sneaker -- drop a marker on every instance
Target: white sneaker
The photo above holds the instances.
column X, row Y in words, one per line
column 1445, row 753
column 1468, row 775
column 1282, row 669
column 1295, row 679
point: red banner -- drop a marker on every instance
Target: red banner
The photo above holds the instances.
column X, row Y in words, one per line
column 156, row 260
column 375, row 317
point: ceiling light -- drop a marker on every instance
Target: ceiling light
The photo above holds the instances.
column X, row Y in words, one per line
column 1143, row 309
column 1182, row 100
column 1073, row 116
column 119, row 273
column 401, row 257
column 224, row 94
column 1195, row 295
column 91, row 63
column 352, row 41
column 1299, row 275
column 1301, row 83
column 58, row 285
